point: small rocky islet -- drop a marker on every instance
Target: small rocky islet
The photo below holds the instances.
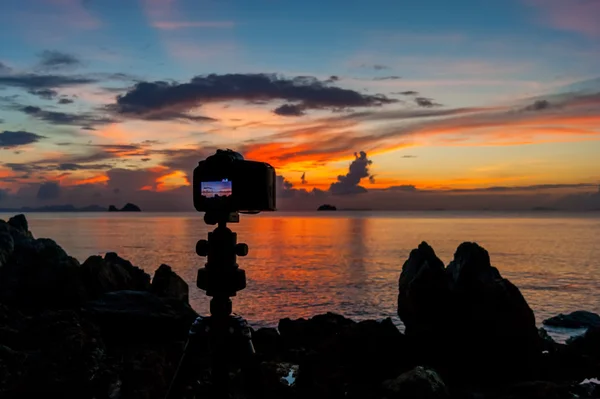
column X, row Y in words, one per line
column 107, row 329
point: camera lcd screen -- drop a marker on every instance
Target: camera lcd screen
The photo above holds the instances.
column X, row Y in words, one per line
column 216, row 189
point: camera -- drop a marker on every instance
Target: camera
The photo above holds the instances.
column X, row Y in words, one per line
column 225, row 182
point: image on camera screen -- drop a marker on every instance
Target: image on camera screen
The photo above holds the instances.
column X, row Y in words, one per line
column 215, row 189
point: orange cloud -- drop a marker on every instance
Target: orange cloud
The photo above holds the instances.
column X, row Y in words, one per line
column 172, row 180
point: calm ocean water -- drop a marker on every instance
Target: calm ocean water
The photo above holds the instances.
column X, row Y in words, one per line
column 302, row 264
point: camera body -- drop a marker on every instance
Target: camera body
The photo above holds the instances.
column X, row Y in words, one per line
column 225, row 182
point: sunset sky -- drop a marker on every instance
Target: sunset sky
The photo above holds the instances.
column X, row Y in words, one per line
column 378, row 104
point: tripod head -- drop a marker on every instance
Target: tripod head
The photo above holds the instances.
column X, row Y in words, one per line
column 221, row 277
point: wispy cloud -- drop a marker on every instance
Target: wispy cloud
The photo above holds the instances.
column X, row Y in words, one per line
column 580, row 16
column 173, row 25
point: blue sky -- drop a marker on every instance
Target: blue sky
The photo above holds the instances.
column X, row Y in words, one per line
column 495, row 59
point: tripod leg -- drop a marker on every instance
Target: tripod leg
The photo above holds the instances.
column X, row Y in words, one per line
column 186, row 364
column 175, row 386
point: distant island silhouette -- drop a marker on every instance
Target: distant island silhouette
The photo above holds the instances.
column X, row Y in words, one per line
column 327, row 207
column 129, row 207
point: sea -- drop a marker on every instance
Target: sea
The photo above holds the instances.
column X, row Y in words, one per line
column 302, row 264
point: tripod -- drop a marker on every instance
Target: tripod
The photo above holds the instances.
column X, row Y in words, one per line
column 221, row 338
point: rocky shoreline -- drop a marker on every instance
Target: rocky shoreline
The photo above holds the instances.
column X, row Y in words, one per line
column 106, row 329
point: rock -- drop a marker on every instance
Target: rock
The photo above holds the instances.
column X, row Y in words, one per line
column 471, row 266
column 166, row 283
column 419, row 383
column 19, row 222
column 587, row 344
column 7, row 244
column 38, row 274
column 588, row 388
column 138, row 316
column 275, row 380
column 548, row 344
column 468, row 321
column 577, row 319
column 267, row 342
column 112, row 274
column 59, row 354
column 311, row 333
column 342, row 358
column 536, row 390
column 371, row 351
column 423, row 293
column 112, row 208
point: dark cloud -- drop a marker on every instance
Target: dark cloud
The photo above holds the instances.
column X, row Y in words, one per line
column 283, row 187
column 62, row 118
column 45, row 94
column 377, row 67
column 147, row 98
column 349, row 183
column 173, row 115
column 332, row 79
column 405, row 188
column 426, row 102
column 53, row 60
column 402, row 114
column 290, row 110
column 21, row 167
column 407, row 93
column 388, row 78
column 145, row 159
column 409, row 156
column 44, row 166
column 539, row 105
column 48, row 191
column 35, row 81
column 74, row 166
column 9, row 139
column 4, row 69
column 536, row 187
column 184, row 159
column 65, row 101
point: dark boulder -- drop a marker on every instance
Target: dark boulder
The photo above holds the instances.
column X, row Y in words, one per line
column 58, row 354
column 267, row 342
column 536, row 390
column 312, row 333
column 112, row 273
column 577, row 319
column 274, row 380
column 167, row 283
column 419, row 383
column 19, row 222
column 37, row 273
column 587, row 344
column 112, row 208
column 138, row 316
column 468, row 320
column 423, row 293
column 339, row 357
column 7, row 243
